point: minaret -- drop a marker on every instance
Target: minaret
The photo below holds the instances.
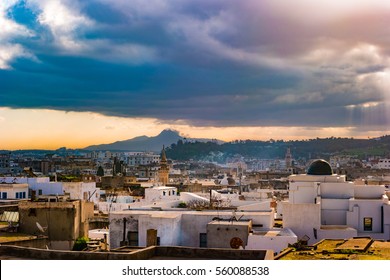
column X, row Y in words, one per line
column 163, row 173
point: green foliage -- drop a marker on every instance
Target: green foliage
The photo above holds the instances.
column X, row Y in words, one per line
column 80, row 244
column 182, row 205
column 100, row 171
column 312, row 148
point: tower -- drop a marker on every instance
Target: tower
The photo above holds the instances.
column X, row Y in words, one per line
column 163, row 172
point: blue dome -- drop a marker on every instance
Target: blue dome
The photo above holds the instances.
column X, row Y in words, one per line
column 320, row 167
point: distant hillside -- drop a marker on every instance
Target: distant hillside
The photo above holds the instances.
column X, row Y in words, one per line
column 312, row 148
column 144, row 143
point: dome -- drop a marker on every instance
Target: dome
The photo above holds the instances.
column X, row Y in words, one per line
column 319, row 167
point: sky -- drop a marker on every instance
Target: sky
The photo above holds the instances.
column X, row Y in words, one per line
column 75, row 73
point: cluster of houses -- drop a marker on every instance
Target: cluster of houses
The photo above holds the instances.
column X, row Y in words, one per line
column 320, row 205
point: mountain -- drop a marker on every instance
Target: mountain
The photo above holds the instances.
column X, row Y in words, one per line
column 144, row 143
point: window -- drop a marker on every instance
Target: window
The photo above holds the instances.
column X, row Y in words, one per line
column 132, row 238
column 23, row 194
column 17, row 195
column 4, row 195
column 39, row 192
column 203, row 240
column 367, row 224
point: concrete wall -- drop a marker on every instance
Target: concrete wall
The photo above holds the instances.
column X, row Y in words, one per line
column 47, row 188
column 366, row 208
column 334, row 211
column 254, row 205
column 65, row 221
column 274, row 243
column 337, row 190
column 192, row 227
column 369, row 191
column 336, row 233
column 167, row 226
column 38, row 242
column 216, row 254
column 117, row 226
column 43, row 254
column 12, row 189
column 107, row 207
column 317, row 178
column 333, row 217
column 184, row 230
column 58, row 217
column 303, row 192
column 302, row 218
column 141, row 254
column 82, row 190
column 386, row 214
column 353, row 215
column 86, row 213
column 160, row 193
column 219, row 234
column 334, row 204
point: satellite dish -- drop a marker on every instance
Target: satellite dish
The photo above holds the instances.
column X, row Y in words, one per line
column 41, row 228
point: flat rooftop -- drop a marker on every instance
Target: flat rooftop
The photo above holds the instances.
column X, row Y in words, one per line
column 272, row 232
column 191, row 212
column 232, row 222
column 359, row 248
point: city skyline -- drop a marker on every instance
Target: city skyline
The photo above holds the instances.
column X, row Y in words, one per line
column 76, row 74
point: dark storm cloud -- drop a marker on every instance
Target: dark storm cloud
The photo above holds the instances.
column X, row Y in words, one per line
column 216, row 63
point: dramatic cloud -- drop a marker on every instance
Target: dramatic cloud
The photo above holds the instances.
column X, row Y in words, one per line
column 10, row 31
column 204, row 63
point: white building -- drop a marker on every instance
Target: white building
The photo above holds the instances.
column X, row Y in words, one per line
column 158, row 193
column 185, row 227
column 13, row 191
column 141, row 158
column 190, row 228
column 383, row 163
column 41, row 185
column 324, row 205
column 82, row 190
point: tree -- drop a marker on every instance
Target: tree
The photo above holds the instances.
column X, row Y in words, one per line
column 100, row 171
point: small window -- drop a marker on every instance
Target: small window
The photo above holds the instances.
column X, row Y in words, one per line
column 17, row 195
column 367, row 224
column 39, row 192
column 203, row 240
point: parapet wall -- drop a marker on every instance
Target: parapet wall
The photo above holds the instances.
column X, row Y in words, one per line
column 141, row 254
column 42, row 254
